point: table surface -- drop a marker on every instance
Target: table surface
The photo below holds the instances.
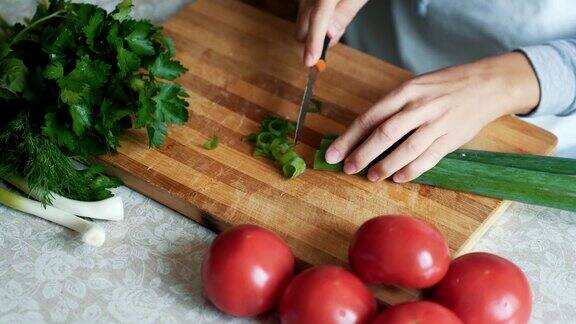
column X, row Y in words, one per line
column 148, row 269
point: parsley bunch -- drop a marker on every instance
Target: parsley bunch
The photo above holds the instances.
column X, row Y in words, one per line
column 72, row 79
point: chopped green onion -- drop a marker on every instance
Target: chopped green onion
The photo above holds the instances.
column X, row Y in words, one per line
column 278, row 147
column 287, row 157
column 259, row 152
column 212, row 143
column 277, row 127
column 325, row 143
column 272, row 142
column 294, row 168
column 321, row 164
column 264, row 139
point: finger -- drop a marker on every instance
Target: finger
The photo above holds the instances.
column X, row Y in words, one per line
column 345, row 11
column 407, row 152
column 383, row 137
column 303, row 20
column 320, row 17
column 365, row 123
column 426, row 160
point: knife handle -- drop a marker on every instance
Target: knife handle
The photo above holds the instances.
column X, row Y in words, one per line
column 325, row 48
column 321, row 64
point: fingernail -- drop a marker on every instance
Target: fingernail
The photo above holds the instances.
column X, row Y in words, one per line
column 349, row 168
column 399, row 177
column 309, row 61
column 373, row 176
column 333, row 156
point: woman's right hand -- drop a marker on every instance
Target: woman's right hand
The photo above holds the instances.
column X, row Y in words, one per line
column 318, row 18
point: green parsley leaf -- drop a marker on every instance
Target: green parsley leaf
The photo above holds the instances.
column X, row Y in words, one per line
column 157, row 132
column 86, row 77
column 167, row 43
column 144, row 115
column 128, row 62
column 59, row 41
column 113, row 36
column 169, row 107
column 122, row 11
column 81, row 118
column 139, row 41
column 166, row 68
column 54, row 71
column 59, row 133
column 212, row 143
column 93, row 28
column 13, row 75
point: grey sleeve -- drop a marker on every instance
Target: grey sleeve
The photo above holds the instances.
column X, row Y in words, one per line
column 555, row 66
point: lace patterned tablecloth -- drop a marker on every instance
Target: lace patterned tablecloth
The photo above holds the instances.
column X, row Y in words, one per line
column 148, row 269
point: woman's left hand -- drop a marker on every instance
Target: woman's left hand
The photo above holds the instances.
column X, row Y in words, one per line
column 446, row 108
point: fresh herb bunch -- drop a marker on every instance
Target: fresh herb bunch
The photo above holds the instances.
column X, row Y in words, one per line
column 72, row 79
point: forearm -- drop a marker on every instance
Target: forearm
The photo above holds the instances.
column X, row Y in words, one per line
column 555, row 67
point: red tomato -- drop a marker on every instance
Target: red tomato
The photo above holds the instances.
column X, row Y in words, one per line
column 485, row 288
column 400, row 250
column 246, row 270
column 326, row 294
column 420, row 312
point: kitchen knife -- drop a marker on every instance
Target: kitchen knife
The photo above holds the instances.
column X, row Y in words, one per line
column 313, row 72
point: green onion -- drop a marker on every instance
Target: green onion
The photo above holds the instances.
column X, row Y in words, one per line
column 272, row 142
column 294, row 168
column 212, row 143
column 287, row 157
column 259, row 152
column 91, row 233
column 264, row 139
column 523, row 161
column 278, row 147
column 528, row 186
column 277, row 127
column 321, row 164
column 531, row 179
column 325, row 143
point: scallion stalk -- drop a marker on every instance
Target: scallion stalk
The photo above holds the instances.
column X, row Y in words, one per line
column 90, row 232
column 107, row 209
column 548, row 164
column 538, row 180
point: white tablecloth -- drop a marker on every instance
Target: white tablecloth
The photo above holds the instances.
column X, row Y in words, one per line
column 148, row 269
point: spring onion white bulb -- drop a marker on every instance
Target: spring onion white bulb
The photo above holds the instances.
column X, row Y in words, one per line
column 91, row 233
column 107, row 209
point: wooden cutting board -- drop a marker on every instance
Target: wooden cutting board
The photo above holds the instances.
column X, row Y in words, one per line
column 244, row 65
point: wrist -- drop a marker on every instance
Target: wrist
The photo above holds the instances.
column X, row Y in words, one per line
column 519, row 83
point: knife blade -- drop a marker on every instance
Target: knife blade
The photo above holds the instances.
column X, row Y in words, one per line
column 308, row 91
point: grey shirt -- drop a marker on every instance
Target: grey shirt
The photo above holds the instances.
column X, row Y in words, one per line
column 424, row 35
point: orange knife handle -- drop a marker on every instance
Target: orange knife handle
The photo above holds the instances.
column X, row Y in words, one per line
column 321, row 64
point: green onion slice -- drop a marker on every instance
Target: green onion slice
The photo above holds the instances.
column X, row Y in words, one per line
column 212, row 143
